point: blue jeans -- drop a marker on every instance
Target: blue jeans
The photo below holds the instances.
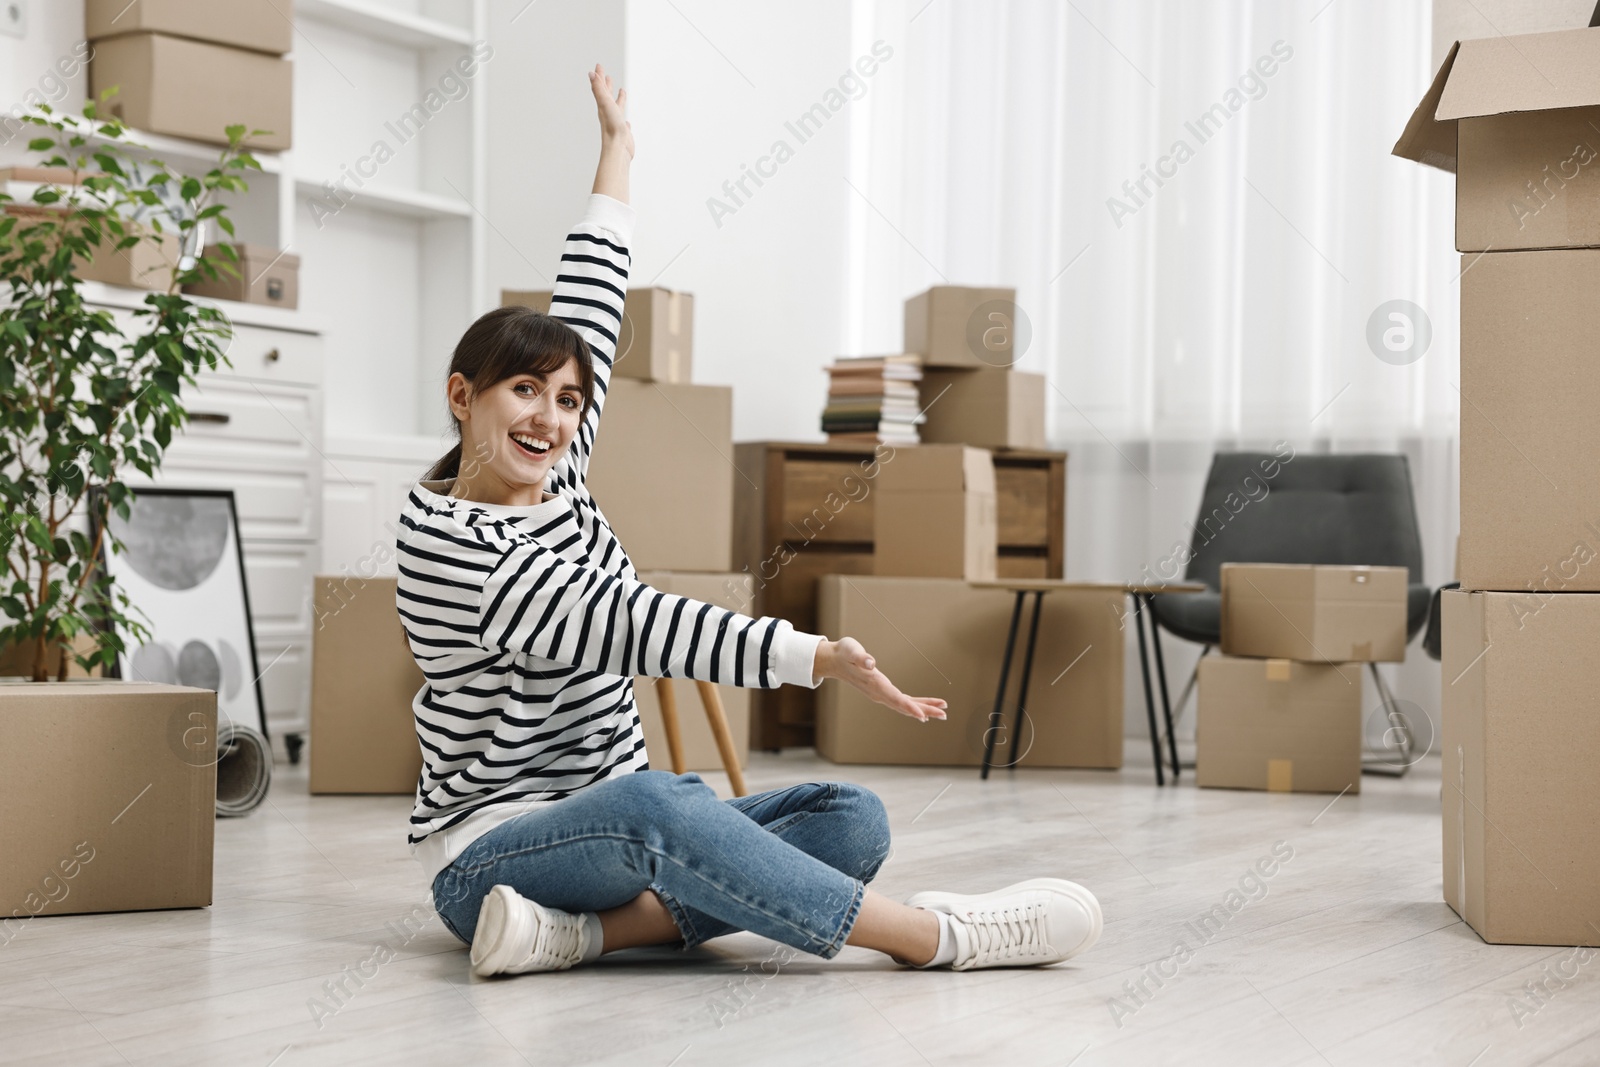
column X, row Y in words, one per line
column 789, row 864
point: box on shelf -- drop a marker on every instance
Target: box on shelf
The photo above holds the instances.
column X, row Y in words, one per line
column 1328, row 614
column 935, row 514
column 1515, row 118
column 1530, row 492
column 989, row 407
column 941, row 637
column 1521, row 782
column 962, row 326
column 700, row 752
column 266, row 276
column 184, row 88
column 112, row 795
column 1278, row 725
column 662, row 472
column 657, row 339
column 363, row 679
column 260, row 25
column 146, row 265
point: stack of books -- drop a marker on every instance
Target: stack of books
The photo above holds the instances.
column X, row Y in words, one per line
column 874, row 398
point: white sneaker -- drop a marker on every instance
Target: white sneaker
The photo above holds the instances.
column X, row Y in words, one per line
column 516, row 935
column 1031, row 924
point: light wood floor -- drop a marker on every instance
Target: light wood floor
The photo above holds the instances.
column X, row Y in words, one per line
column 1350, row 957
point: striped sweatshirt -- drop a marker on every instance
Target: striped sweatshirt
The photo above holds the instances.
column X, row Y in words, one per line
column 529, row 623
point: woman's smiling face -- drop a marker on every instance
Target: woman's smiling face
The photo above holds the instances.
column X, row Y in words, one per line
column 514, row 432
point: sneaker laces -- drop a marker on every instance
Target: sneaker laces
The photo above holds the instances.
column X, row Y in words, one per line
column 559, row 939
column 1008, row 933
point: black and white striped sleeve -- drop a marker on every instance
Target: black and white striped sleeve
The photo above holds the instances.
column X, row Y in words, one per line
column 536, row 603
column 591, row 286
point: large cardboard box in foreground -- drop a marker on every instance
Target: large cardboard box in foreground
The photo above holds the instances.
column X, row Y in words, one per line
column 1279, row 725
column 1520, row 742
column 662, row 472
column 988, row 407
column 657, row 339
column 1515, row 118
column 192, row 89
column 262, row 25
column 363, row 679
column 700, row 753
column 1530, row 489
column 935, row 514
column 1329, row 614
column 962, row 326
column 941, row 637
column 111, row 798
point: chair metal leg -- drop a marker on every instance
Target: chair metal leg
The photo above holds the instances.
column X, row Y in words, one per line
column 1149, row 694
column 1397, row 721
column 1161, row 676
column 1027, row 672
column 995, row 717
column 669, row 722
column 1183, row 697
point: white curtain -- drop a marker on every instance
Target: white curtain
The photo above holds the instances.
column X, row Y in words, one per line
column 1225, row 306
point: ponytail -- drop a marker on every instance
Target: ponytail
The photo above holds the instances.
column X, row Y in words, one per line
column 448, row 466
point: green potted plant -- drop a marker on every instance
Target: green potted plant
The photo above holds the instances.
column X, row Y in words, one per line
column 84, row 398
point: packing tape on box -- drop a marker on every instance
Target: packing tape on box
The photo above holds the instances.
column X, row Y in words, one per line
column 1278, row 670
column 1280, row 775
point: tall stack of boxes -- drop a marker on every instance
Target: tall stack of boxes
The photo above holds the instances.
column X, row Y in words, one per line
column 662, row 472
column 1516, row 119
column 191, row 68
column 1280, row 709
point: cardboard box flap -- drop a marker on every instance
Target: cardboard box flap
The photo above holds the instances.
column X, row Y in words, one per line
column 1426, row 139
column 1533, row 72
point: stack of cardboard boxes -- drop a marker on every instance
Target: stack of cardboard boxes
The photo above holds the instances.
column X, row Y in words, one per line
column 662, row 472
column 1518, row 120
column 1280, row 709
column 191, row 68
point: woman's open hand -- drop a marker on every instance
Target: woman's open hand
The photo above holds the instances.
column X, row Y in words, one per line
column 615, row 129
column 847, row 661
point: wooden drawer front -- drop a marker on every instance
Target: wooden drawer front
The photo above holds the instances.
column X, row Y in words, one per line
column 1022, row 566
column 271, row 502
column 810, row 486
column 279, row 576
column 225, row 412
column 1023, row 505
column 275, row 355
column 793, row 594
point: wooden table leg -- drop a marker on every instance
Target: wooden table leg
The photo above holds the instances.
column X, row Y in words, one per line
column 669, row 722
column 719, row 729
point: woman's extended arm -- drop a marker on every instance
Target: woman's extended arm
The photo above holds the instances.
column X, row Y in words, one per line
column 592, row 281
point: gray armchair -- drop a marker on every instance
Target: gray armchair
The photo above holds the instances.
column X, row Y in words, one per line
column 1345, row 509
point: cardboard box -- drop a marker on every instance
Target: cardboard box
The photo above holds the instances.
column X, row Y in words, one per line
column 700, row 752
column 989, row 407
column 16, row 659
column 960, row 326
column 111, row 792
column 261, row 25
column 1460, row 20
column 363, row 680
column 657, row 339
column 1521, row 782
column 941, row 637
column 1515, row 118
column 662, row 472
column 146, row 265
column 1530, row 490
column 266, row 276
column 196, row 90
column 1278, row 725
column 1323, row 614
column 935, row 514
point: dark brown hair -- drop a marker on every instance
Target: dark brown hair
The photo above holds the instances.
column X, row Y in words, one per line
column 504, row 343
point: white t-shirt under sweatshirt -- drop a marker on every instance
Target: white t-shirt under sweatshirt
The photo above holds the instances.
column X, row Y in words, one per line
column 530, row 623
